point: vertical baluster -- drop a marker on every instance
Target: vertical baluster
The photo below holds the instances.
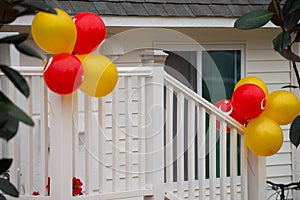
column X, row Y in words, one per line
column 180, row 145
column 233, row 163
column 115, row 144
column 14, row 60
column 191, row 148
column 101, row 144
column 201, row 131
column 44, row 141
column 128, row 134
column 28, row 148
column 223, row 160
column 75, row 130
column 212, row 156
column 88, row 143
column 244, row 165
column 142, row 133
column 169, row 137
column 13, row 145
column 61, row 138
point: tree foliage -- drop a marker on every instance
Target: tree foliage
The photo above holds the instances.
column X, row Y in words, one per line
column 285, row 15
column 11, row 114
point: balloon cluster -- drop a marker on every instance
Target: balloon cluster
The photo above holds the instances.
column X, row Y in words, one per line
column 72, row 41
column 261, row 114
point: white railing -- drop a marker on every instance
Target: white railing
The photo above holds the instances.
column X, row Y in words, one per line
column 101, row 141
column 122, row 145
column 195, row 123
column 205, row 161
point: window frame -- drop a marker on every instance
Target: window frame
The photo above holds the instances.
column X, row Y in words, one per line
column 196, row 47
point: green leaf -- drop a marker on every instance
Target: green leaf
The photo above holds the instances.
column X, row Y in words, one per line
column 294, row 7
column 2, row 197
column 10, row 108
column 8, row 14
column 28, row 11
column 38, row 6
column 5, row 164
column 291, row 20
column 276, row 17
column 15, row 38
column 8, row 188
column 253, row 19
column 9, row 126
column 282, row 41
column 287, row 7
column 27, row 50
column 17, row 79
column 295, row 132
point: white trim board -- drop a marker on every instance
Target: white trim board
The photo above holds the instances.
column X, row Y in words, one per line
column 130, row 21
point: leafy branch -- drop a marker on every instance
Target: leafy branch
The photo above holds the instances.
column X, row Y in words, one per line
column 286, row 16
column 10, row 114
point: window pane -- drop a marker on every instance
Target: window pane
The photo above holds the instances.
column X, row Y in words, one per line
column 220, row 71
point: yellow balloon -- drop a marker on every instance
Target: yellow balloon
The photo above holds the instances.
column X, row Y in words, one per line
column 254, row 80
column 100, row 75
column 54, row 33
column 282, row 106
column 263, row 136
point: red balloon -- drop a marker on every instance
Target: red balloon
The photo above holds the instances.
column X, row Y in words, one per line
column 226, row 106
column 91, row 31
column 63, row 73
column 249, row 101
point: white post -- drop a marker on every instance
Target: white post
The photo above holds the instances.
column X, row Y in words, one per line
column 256, row 177
column 155, row 123
column 61, row 147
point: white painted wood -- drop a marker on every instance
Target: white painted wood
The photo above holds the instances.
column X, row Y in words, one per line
column 115, row 145
column 268, row 66
column 201, row 116
column 177, row 86
column 169, row 137
column 180, row 145
column 142, row 133
column 155, row 133
column 129, row 21
column 128, row 134
column 61, row 147
column 101, row 145
column 212, row 156
column 233, row 163
column 44, row 138
column 14, row 148
column 28, row 148
column 244, row 167
column 256, row 178
column 223, row 160
column 263, row 55
column 76, row 167
column 191, row 149
column 88, row 140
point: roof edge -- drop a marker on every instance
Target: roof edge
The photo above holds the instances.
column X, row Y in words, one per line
column 131, row 21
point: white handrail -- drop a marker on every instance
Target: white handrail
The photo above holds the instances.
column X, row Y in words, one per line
column 122, row 71
column 178, row 86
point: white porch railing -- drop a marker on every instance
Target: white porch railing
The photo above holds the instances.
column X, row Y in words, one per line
column 122, row 145
column 195, row 122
